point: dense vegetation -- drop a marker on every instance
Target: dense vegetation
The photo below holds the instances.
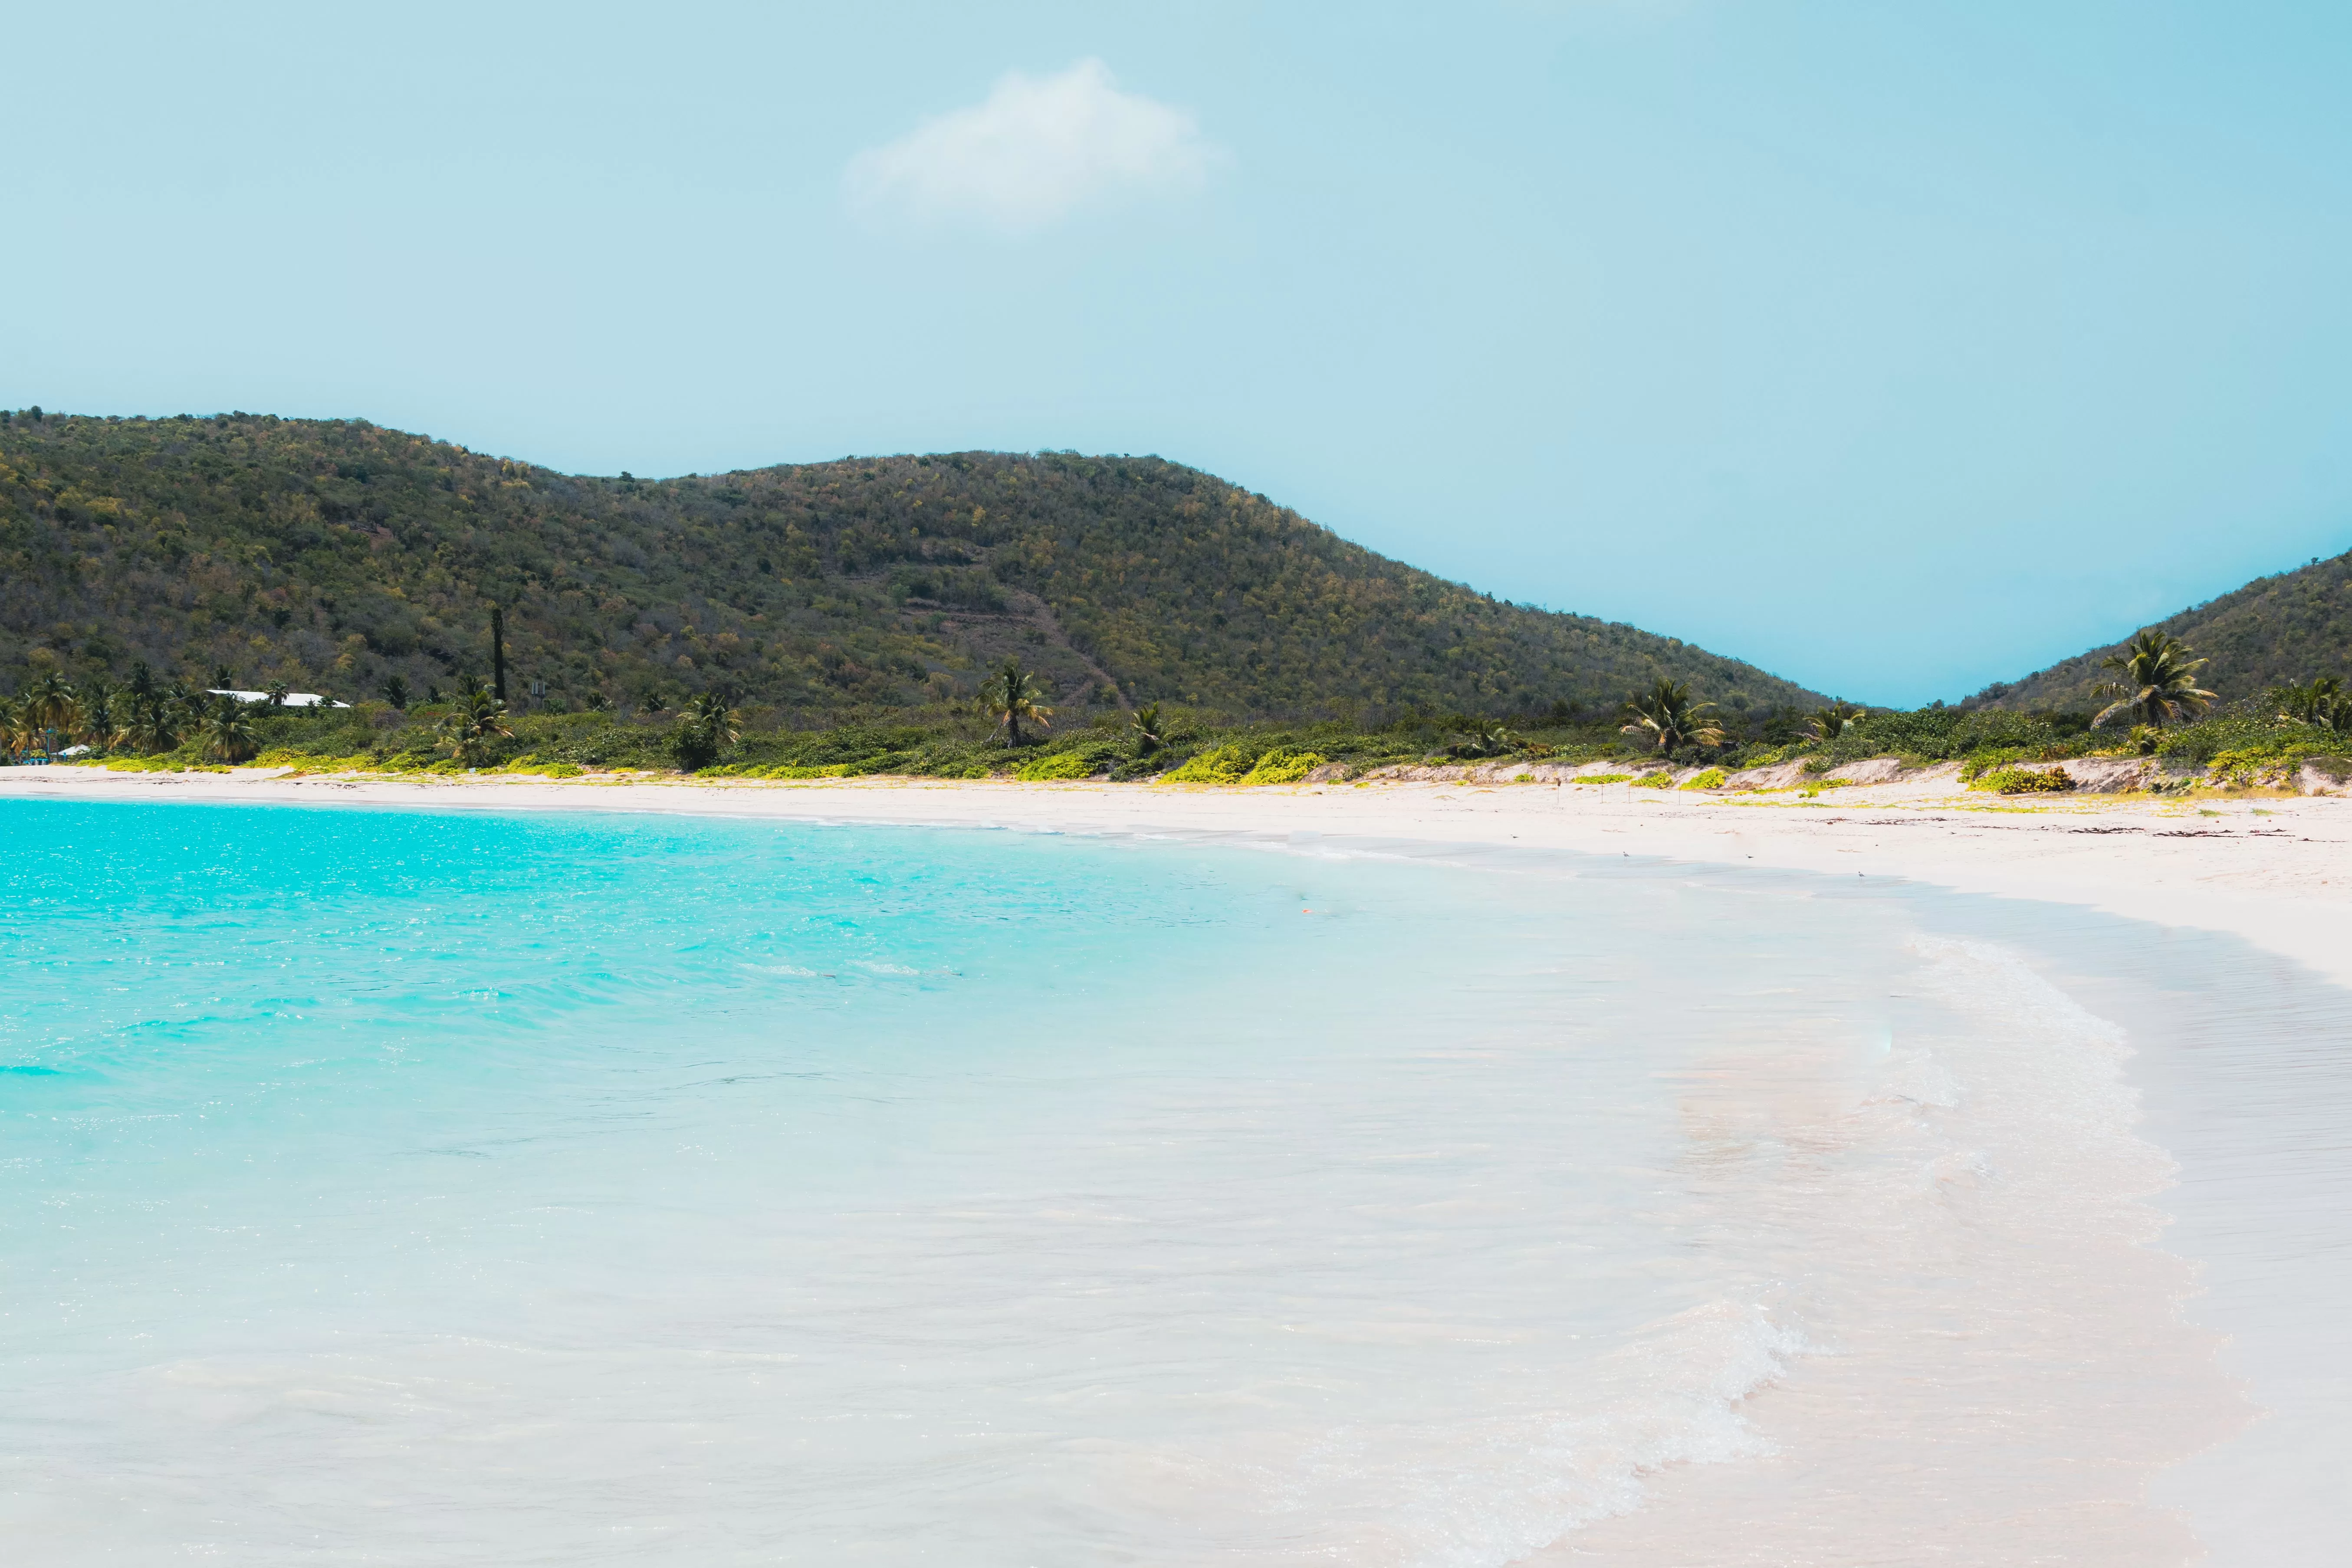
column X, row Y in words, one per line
column 148, row 725
column 335, row 556
column 2269, row 632
column 468, row 729
column 1044, row 617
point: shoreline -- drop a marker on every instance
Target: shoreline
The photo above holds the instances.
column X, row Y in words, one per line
column 2275, row 871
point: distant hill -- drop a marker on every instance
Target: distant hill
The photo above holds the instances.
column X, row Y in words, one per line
column 331, row 554
column 2270, row 632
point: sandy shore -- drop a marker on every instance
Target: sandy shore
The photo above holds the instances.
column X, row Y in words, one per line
column 2276, row 870
column 2258, row 1192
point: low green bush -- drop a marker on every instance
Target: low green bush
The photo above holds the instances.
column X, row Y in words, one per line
column 1282, row 766
column 2025, row 780
column 2209, row 737
column 1225, row 764
column 1996, row 759
column 2267, row 768
column 1654, row 781
column 1711, row 779
column 1942, row 734
column 1056, row 765
column 788, row 770
column 298, row 766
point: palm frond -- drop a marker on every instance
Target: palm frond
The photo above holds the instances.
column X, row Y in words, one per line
column 2155, row 682
column 1666, row 715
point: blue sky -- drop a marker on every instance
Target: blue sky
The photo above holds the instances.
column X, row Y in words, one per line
column 1898, row 349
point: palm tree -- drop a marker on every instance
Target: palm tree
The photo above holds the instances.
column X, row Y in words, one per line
column 276, row 695
column 706, row 727
column 98, row 722
column 228, row 730
column 2321, row 704
column 1487, row 738
column 66, row 723
column 2157, row 682
column 15, row 732
column 1668, row 714
column 1828, row 723
column 46, row 707
column 154, row 721
column 1151, row 733
column 49, row 702
column 473, row 719
column 1010, row 697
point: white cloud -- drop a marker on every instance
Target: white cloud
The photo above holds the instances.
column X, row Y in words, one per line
column 1036, row 149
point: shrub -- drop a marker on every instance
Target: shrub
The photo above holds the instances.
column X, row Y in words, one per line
column 2237, row 746
column 1058, row 765
column 1654, row 781
column 1223, row 765
column 2253, row 767
column 1711, row 779
column 1282, row 766
column 2026, row 781
column 300, row 766
column 2253, row 729
column 1604, row 778
column 1999, row 758
column 1940, row 734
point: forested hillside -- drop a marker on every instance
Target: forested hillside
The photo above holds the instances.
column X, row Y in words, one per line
column 333, row 555
column 2271, row 632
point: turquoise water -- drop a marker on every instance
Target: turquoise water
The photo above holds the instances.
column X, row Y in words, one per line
column 465, row 1188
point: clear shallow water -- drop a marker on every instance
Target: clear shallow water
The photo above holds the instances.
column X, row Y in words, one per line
column 411, row 1187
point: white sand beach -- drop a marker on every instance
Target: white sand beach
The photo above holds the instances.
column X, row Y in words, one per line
column 2275, row 869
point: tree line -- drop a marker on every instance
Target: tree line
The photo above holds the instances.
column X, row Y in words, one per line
column 2156, row 705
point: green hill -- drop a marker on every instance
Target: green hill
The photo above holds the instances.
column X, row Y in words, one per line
column 331, row 555
column 2273, row 631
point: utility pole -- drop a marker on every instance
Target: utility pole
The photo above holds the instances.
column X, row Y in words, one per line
column 497, row 651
